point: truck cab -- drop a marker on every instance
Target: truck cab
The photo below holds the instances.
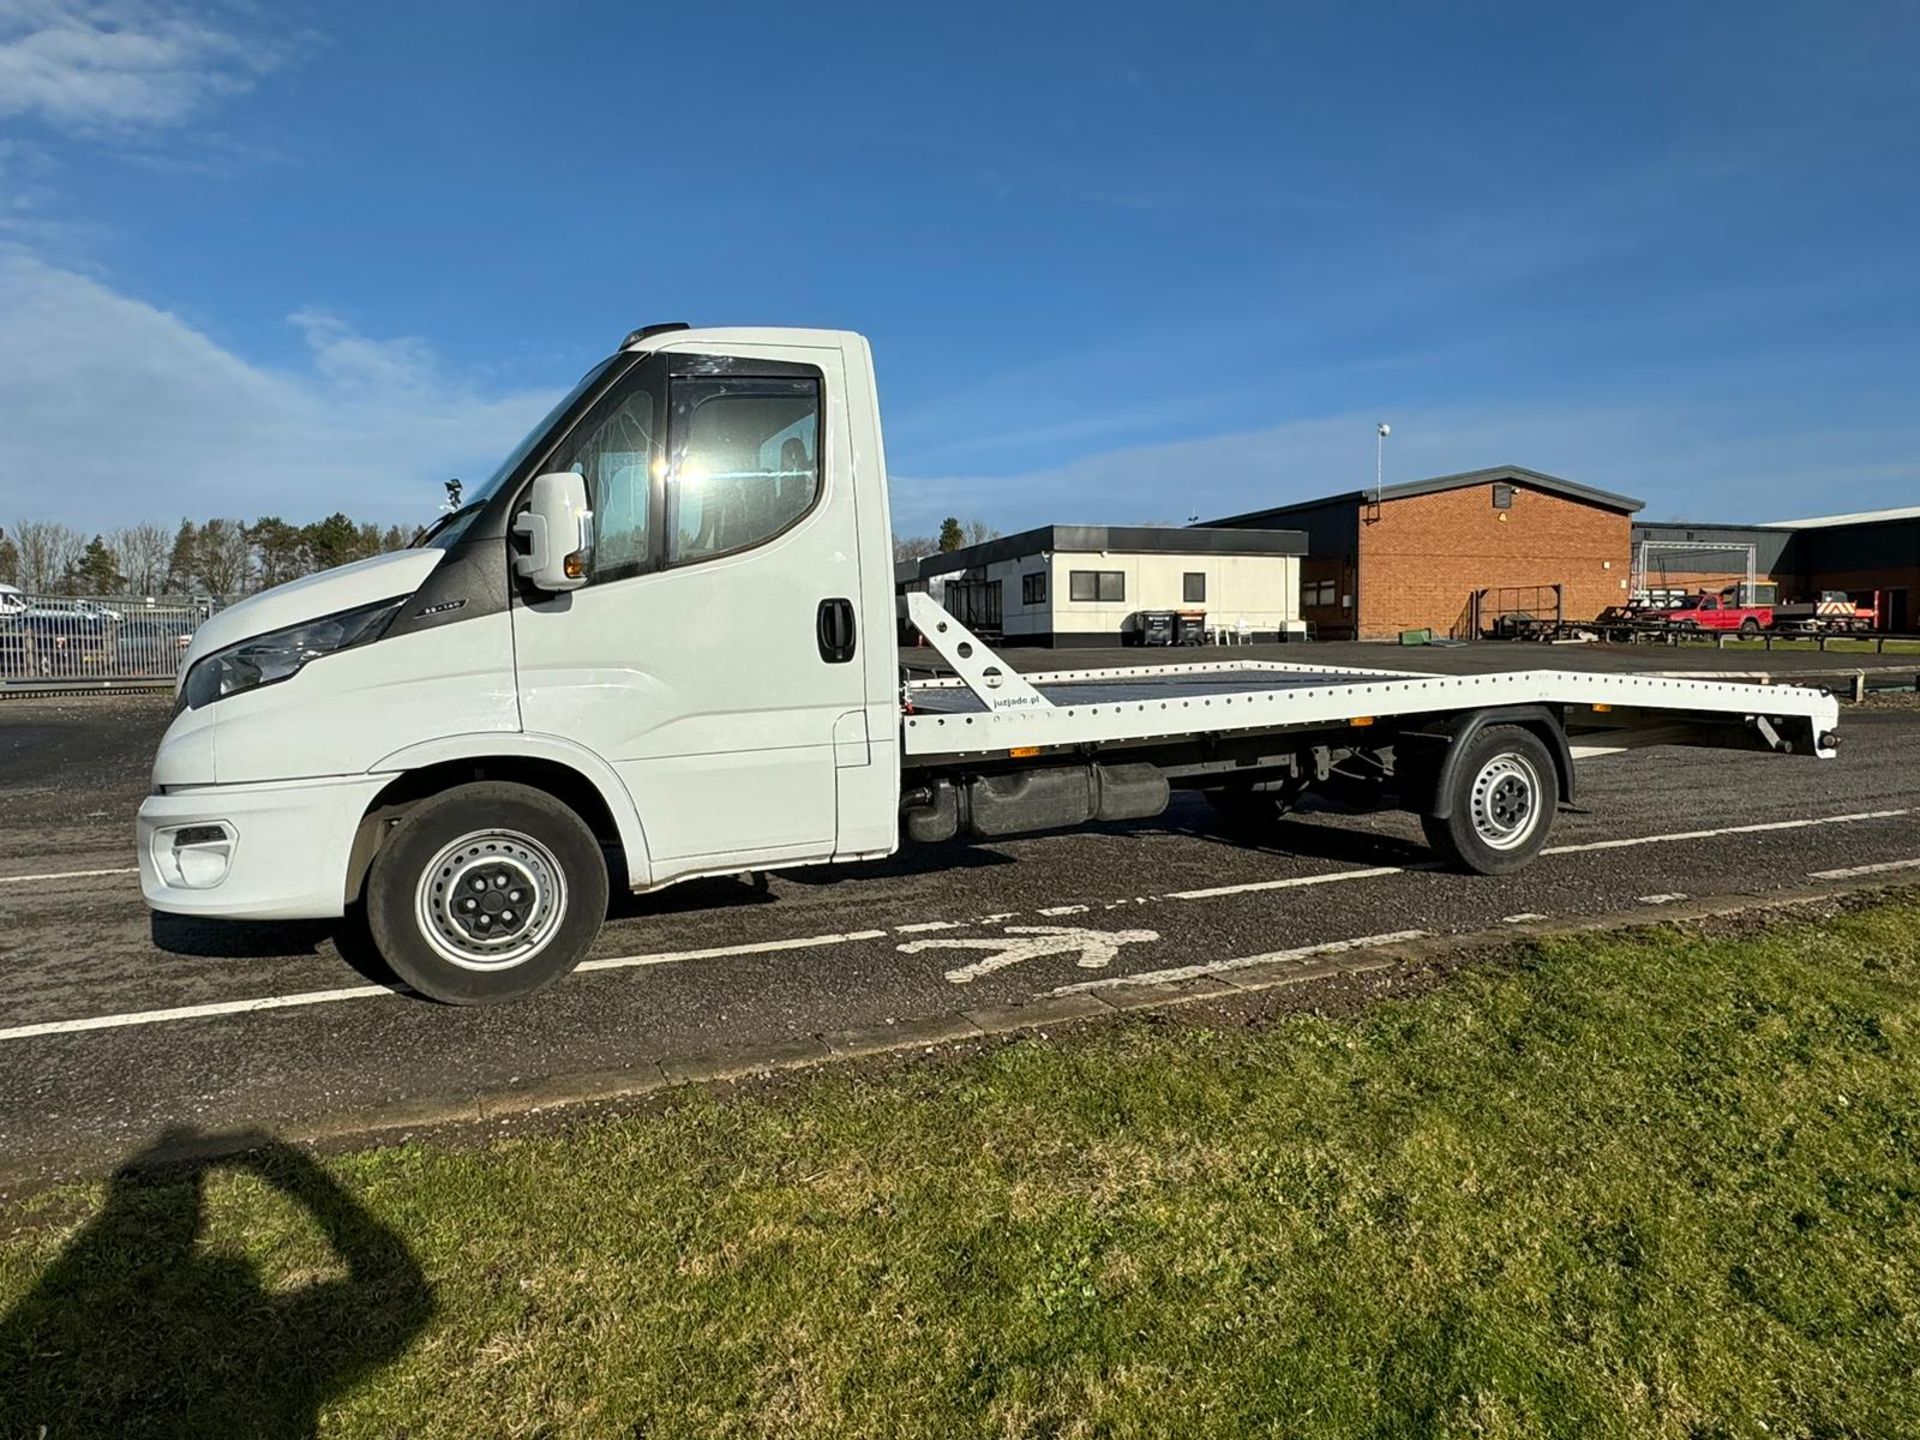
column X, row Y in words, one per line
column 697, row 665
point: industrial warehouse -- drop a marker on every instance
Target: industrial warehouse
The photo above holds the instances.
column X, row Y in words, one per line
column 1464, row 556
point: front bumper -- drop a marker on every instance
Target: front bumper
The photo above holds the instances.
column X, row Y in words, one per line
column 287, row 847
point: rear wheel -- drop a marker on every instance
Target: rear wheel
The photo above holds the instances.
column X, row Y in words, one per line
column 1503, row 793
column 485, row 893
column 1749, row 628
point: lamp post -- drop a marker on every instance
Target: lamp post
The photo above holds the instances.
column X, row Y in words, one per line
column 1380, row 433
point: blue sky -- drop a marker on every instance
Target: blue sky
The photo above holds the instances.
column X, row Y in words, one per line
column 1119, row 263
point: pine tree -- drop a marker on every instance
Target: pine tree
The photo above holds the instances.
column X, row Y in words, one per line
column 95, row 572
column 279, row 554
column 332, row 541
column 9, row 560
column 952, row 536
column 183, row 562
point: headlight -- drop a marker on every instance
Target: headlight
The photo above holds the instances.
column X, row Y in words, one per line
column 281, row 654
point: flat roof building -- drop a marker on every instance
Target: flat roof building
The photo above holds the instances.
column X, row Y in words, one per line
column 1069, row 585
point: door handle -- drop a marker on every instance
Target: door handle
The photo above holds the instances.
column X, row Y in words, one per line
column 833, row 626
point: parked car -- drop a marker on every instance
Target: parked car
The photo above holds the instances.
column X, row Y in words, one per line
column 45, row 643
column 1720, row 613
column 153, row 644
column 91, row 609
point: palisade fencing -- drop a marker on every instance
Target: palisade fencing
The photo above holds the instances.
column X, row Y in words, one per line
column 63, row 638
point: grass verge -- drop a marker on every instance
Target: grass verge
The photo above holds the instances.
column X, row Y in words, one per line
column 1650, row 1184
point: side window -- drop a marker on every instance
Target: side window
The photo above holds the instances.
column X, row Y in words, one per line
column 615, row 453
column 1099, row 585
column 744, row 463
column 1193, row 587
column 1033, row 588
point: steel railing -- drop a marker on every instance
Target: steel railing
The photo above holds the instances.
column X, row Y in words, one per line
column 76, row 639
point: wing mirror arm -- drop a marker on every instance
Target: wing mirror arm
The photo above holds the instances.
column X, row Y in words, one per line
column 557, row 530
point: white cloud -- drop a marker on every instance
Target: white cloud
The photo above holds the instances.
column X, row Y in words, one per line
column 123, row 65
column 117, row 411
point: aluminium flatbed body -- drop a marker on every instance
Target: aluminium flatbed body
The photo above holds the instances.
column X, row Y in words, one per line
column 988, row 708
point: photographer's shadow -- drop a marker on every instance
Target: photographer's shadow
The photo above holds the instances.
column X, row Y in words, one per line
column 138, row 1329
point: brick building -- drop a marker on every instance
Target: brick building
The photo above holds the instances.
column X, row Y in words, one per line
column 1873, row 555
column 1435, row 554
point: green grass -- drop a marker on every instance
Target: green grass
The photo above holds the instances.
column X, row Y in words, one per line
column 1652, row 1185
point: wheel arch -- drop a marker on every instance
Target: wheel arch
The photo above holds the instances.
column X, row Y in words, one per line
column 1441, row 746
column 575, row 776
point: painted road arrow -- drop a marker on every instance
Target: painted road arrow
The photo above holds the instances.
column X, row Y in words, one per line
column 1096, row 948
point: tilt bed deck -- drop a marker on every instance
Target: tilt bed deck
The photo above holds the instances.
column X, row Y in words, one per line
column 991, row 709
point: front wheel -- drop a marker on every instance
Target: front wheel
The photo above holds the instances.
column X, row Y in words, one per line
column 1503, row 794
column 486, row 892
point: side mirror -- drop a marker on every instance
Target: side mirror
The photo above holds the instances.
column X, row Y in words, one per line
column 557, row 526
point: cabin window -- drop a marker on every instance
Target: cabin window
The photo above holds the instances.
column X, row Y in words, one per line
column 744, row 463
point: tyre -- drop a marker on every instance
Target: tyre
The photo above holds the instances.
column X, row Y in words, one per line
column 486, row 892
column 1749, row 628
column 1503, row 792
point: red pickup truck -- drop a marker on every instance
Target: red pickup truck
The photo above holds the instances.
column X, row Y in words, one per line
column 1707, row 611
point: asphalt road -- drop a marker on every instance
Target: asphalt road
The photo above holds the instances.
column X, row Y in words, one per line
column 716, row 964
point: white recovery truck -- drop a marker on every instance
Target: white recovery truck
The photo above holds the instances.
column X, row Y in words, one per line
column 659, row 643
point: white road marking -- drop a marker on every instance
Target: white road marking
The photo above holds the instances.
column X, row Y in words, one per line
column 193, row 1012
column 69, row 875
column 1675, row 898
column 721, row 952
column 1214, row 891
column 370, row 992
column 1522, row 917
column 1847, row 872
column 1216, row 967
column 1096, row 948
column 1065, row 910
column 928, row 925
column 1727, row 830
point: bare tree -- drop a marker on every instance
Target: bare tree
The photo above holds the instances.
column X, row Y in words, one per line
column 141, row 553
column 225, row 556
column 48, row 550
column 912, row 547
column 978, row 530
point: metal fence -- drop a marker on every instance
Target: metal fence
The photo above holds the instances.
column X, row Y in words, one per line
column 108, row 637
